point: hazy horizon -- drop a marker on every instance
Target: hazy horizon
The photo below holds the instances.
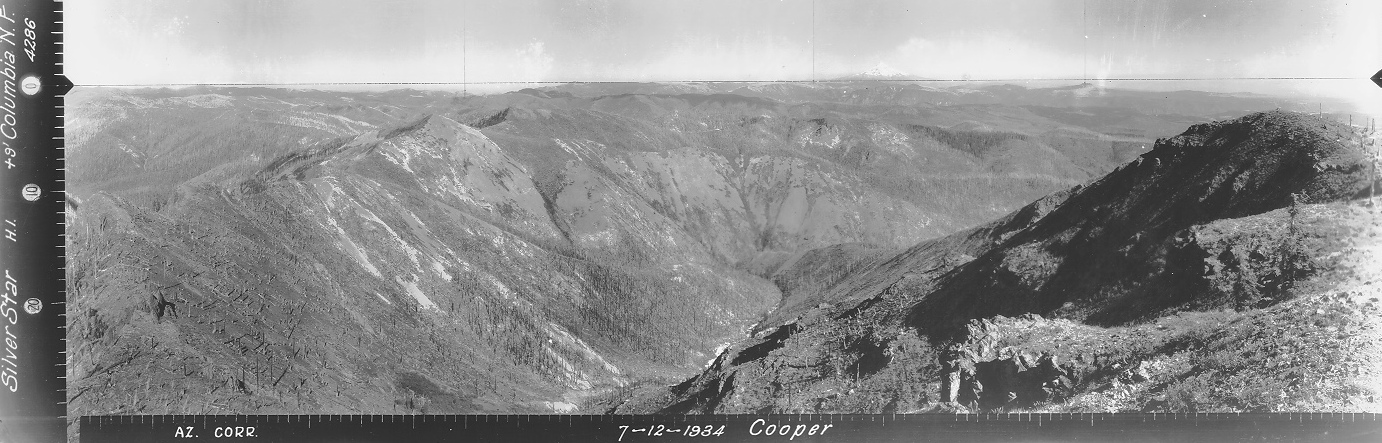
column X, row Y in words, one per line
column 1300, row 91
column 1276, row 47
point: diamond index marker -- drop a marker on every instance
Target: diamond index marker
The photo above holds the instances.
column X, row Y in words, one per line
column 1377, row 78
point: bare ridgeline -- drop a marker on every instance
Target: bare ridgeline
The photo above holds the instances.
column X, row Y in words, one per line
column 832, row 247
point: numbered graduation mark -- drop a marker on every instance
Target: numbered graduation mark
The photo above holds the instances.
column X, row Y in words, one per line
column 33, row 305
column 31, row 192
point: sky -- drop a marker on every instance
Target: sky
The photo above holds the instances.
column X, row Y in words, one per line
column 480, row 42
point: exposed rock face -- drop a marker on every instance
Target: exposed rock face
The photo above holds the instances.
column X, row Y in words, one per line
column 982, row 377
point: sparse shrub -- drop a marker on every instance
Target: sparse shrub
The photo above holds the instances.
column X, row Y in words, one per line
column 1188, row 395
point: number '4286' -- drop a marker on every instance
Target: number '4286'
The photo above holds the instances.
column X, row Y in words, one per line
column 30, row 38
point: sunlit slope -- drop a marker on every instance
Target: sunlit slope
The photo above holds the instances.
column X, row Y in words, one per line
column 409, row 269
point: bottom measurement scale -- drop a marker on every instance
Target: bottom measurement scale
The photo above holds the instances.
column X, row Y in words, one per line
column 726, row 428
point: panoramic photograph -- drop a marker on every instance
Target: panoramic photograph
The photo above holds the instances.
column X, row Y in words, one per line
column 722, row 207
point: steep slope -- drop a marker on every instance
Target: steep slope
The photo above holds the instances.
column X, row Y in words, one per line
column 1122, row 248
column 1189, row 280
column 409, row 269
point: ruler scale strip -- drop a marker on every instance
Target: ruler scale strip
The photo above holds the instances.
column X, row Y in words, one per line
column 1342, row 427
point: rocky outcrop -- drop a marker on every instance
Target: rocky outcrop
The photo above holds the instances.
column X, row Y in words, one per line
column 981, row 377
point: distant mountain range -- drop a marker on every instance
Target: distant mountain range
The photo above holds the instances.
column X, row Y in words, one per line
column 881, row 71
column 580, row 248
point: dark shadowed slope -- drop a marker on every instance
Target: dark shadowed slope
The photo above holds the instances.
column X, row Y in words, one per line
column 1123, row 247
